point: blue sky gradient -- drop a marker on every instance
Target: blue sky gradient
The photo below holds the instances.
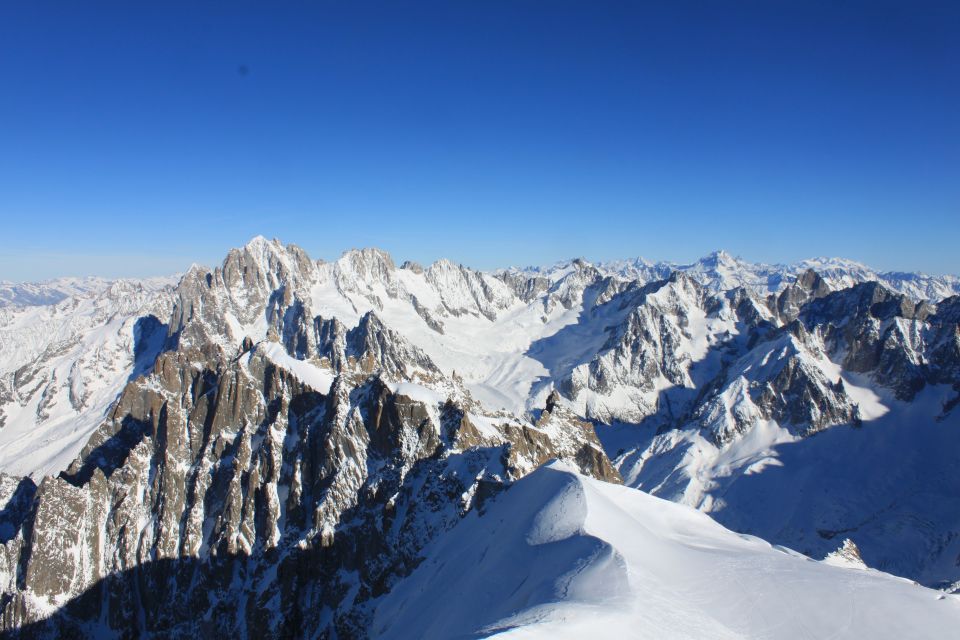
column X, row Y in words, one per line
column 136, row 140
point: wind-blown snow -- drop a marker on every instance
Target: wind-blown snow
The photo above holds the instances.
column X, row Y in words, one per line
column 560, row 555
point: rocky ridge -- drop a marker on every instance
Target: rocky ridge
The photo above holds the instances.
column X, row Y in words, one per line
column 287, row 434
column 270, row 487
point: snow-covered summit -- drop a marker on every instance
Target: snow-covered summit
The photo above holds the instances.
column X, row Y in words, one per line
column 721, row 271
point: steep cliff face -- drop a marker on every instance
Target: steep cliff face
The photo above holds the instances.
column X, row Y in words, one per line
column 269, row 488
column 656, row 334
column 873, row 375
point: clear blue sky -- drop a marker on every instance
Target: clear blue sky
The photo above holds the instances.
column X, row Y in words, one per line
column 134, row 141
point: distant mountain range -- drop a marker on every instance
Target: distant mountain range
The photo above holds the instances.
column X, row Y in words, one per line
column 287, row 447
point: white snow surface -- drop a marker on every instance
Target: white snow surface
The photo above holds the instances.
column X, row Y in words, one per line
column 62, row 365
column 316, row 377
column 889, row 485
column 560, row 555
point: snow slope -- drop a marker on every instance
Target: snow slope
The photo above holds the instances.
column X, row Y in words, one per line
column 889, row 484
column 63, row 364
column 560, row 555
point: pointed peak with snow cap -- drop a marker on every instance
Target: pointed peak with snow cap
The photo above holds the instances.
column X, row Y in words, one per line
column 720, row 260
column 266, row 263
column 719, row 256
column 445, row 265
column 260, row 242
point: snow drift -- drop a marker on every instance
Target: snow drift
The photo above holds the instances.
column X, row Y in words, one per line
column 561, row 555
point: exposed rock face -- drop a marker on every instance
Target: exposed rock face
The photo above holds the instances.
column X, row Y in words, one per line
column 871, row 372
column 787, row 304
column 377, row 348
column 848, row 555
column 226, row 495
column 466, row 291
column 658, row 331
column 676, row 353
column 284, row 436
column 526, row 287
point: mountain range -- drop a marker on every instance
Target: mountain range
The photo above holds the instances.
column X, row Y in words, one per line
column 287, row 447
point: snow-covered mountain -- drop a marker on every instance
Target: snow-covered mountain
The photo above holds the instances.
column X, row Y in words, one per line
column 48, row 292
column 296, row 436
column 63, row 363
column 721, row 271
column 560, row 555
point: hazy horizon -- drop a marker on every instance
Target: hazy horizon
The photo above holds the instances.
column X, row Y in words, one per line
column 180, row 266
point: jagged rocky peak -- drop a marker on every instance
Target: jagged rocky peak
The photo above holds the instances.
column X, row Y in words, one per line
column 868, row 299
column 654, row 334
column 848, row 555
column 525, row 285
column 787, row 304
column 410, row 265
column 261, row 489
column 369, row 264
column 680, row 284
column 782, row 380
column 289, row 434
column 370, row 347
column 571, row 437
column 465, row 291
column 873, row 330
column 262, row 290
column 252, row 472
column 568, row 290
column 264, row 264
column 811, row 281
column 552, row 400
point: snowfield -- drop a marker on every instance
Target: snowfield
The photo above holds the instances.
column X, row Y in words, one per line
column 561, row 555
column 64, row 361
